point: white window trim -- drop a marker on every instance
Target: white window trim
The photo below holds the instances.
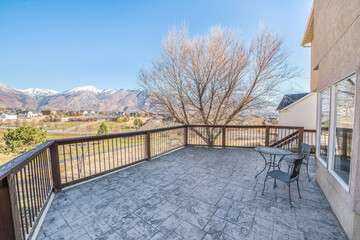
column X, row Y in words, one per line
column 340, row 180
column 318, row 133
column 332, row 133
column 332, row 136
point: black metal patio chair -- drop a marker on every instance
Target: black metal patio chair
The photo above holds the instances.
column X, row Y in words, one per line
column 305, row 151
column 288, row 178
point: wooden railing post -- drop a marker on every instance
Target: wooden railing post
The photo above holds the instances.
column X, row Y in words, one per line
column 267, row 136
column 148, row 146
column 55, row 166
column 10, row 227
column 301, row 138
column 223, row 136
column 186, row 136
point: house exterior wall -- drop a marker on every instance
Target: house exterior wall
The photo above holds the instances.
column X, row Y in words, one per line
column 336, row 39
column 302, row 113
column 336, row 50
column 5, row 117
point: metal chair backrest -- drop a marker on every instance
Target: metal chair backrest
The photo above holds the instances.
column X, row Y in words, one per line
column 305, row 151
column 295, row 170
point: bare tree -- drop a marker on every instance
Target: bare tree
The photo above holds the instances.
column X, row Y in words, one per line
column 212, row 79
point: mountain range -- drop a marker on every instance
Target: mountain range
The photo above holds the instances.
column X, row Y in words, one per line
column 79, row 98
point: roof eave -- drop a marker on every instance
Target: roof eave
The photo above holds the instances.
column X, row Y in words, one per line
column 297, row 101
column 309, row 31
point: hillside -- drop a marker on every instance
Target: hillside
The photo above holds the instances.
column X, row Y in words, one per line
column 80, row 98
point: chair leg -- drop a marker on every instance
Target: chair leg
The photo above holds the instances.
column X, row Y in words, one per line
column 297, row 183
column 289, row 195
column 307, row 171
column 260, row 171
column 266, row 178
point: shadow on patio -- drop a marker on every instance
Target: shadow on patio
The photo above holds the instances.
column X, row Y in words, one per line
column 192, row 193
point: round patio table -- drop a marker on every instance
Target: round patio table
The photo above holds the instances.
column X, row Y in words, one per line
column 273, row 152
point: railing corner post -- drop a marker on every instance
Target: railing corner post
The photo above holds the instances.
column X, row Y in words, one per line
column 55, row 166
column 301, row 138
column 224, row 136
column 267, row 136
column 9, row 220
column 148, row 147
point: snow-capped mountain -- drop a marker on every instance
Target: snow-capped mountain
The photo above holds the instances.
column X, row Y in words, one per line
column 79, row 98
column 82, row 89
column 37, row 92
column 10, row 97
column 6, row 88
column 95, row 90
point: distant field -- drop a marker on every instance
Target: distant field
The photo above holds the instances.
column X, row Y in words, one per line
column 4, row 158
column 112, row 126
column 61, row 125
column 72, row 127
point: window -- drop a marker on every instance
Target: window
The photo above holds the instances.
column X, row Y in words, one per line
column 343, row 127
column 324, row 124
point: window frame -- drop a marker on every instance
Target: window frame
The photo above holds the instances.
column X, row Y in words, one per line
column 332, row 134
column 318, row 134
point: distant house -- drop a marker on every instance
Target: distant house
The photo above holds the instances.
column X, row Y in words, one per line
column 8, row 116
column 298, row 110
column 26, row 114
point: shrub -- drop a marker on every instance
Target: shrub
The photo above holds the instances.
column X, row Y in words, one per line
column 22, row 139
column 103, row 129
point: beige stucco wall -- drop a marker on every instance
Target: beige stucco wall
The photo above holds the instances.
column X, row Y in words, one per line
column 336, row 37
column 301, row 114
column 313, row 74
column 336, row 49
column 347, row 217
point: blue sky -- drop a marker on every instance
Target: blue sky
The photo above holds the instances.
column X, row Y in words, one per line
column 60, row 44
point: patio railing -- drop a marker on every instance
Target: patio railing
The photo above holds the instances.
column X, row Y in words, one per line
column 27, row 182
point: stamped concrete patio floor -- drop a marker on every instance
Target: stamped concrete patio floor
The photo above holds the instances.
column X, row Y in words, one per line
column 193, row 193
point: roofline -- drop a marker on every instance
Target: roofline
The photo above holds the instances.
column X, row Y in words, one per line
column 299, row 100
column 304, row 43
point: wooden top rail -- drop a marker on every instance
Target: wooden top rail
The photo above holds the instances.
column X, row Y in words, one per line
column 227, row 126
column 285, row 139
column 246, row 126
column 19, row 162
column 310, row 130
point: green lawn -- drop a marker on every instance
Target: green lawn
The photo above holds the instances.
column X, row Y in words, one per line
column 112, row 126
column 61, row 125
column 4, row 158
